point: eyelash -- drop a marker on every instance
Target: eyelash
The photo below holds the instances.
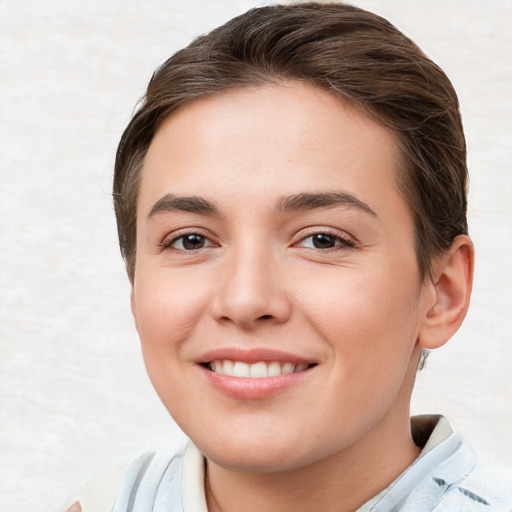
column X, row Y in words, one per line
column 340, row 241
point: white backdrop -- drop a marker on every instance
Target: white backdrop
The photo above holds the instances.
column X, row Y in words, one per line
column 74, row 396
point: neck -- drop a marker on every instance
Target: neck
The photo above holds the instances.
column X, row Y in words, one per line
column 342, row 482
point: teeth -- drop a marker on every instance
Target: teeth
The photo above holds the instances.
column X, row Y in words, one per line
column 274, row 369
column 257, row 370
column 226, row 366
column 241, row 369
column 287, row 368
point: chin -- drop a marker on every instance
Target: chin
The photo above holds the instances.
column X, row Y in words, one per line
column 254, row 461
column 263, row 454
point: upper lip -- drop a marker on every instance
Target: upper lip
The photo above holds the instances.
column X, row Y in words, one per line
column 253, row 355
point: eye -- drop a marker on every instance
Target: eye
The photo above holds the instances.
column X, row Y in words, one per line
column 189, row 242
column 325, row 241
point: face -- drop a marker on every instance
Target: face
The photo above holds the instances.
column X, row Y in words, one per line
column 277, row 292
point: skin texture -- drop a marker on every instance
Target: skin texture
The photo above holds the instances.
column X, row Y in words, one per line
column 357, row 310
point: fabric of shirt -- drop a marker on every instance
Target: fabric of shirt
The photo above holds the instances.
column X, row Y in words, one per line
column 444, row 478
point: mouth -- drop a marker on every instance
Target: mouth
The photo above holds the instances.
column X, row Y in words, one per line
column 257, row 370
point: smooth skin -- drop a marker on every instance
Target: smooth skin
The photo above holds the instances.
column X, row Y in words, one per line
column 251, row 261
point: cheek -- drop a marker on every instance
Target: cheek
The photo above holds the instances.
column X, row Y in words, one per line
column 167, row 310
column 367, row 319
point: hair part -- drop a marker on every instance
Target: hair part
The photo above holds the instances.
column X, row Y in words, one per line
column 355, row 54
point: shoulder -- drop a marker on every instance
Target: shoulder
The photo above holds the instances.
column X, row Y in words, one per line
column 446, row 476
column 118, row 486
column 493, row 484
column 97, row 494
column 483, row 489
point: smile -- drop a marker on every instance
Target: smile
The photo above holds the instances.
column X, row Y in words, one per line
column 258, row 370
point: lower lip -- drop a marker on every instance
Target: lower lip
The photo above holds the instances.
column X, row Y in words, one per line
column 246, row 388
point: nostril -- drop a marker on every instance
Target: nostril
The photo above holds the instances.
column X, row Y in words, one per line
column 265, row 317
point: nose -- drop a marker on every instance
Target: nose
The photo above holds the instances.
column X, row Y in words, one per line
column 251, row 291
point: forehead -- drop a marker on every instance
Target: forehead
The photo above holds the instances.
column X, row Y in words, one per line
column 286, row 138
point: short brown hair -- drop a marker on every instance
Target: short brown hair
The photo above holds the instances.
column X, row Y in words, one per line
column 355, row 54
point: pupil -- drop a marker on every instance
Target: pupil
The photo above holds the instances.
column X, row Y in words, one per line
column 323, row 241
column 193, row 242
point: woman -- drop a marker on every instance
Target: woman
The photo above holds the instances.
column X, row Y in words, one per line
column 291, row 206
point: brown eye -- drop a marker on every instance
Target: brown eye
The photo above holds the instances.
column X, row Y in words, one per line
column 324, row 241
column 190, row 242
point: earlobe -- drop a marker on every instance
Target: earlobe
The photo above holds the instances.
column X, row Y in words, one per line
column 451, row 284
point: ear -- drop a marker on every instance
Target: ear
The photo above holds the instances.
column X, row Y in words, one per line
column 452, row 280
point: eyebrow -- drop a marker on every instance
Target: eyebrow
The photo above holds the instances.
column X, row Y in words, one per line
column 309, row 201
column 293, row 203
column 193, row 204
